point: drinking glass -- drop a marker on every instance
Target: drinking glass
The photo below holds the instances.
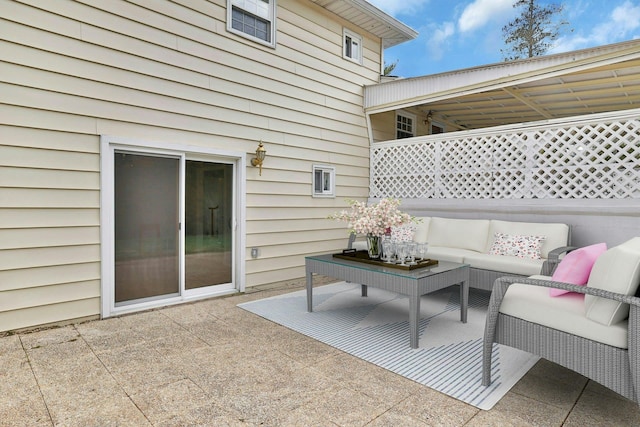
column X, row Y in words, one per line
column 391, row 251
column 384, row 243
column 422, row 250
column 401, row 251
column 412, row 251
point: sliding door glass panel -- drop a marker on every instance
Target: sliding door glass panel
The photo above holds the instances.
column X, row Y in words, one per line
column 208, row 228
column 146, row 227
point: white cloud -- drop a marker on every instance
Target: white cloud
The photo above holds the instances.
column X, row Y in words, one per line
column 438, row 39
column 621, row 24
column 567, row 44
column 481, row 12
column 625, row 19
column 398, row 7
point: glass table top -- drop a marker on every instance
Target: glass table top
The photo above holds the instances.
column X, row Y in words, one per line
column 441, row 267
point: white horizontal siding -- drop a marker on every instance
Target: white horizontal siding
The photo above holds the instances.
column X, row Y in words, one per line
column 303, row 187
column 200, row 55
column 50, row 314
column 47, row 198
column 295, row 237
column 276, row 213
column 49, row 223
column 20, row 299
column 40, row 217
column 48, row 256
column 285, row 226
column 48, row 178
column 294, row 259
column 16, row 238
column 45, row 120
column 48, row 159
column 170, row 72
column 50, row 275
column 275, row 274
column 45, row 139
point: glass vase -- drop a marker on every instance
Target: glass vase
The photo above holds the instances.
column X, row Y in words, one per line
column 373, row 246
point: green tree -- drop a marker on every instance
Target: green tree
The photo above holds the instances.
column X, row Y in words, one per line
column 388, row 68
column 533, row 32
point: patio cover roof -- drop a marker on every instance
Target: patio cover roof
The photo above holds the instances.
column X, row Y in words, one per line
column 369, row 17
column 602, row 79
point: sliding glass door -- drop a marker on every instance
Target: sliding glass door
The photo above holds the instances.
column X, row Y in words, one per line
column 173, row 226
column 146, row 227
column 208, row 224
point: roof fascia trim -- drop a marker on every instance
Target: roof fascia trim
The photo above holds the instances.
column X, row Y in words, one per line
column 529, row 76
column 383, row 17
column 400, row 31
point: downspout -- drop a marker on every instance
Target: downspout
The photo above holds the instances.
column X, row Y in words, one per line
column 367, row 118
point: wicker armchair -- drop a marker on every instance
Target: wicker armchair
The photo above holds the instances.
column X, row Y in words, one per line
column 615, row 368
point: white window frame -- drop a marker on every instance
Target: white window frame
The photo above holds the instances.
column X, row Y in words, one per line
column 349, row 39
column 328, row 173
column 412, row 117
column 251, row 7
column 438, row 125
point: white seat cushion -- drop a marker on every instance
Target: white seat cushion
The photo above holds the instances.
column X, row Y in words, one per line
column 447, row 254
column 565, row 313
column 507, row 264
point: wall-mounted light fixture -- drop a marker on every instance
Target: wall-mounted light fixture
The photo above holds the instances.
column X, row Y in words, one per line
column 429, row 118
column 261, row 153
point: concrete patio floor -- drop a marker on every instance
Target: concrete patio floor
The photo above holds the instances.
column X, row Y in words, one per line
column 210, row 363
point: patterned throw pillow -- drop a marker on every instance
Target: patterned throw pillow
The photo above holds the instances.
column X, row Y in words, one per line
column 403, row 233
column 518, row 246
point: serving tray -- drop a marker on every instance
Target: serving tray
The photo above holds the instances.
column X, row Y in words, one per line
column 363, row 256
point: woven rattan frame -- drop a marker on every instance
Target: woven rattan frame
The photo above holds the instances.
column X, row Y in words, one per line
column 615, row 368
column 484, row 279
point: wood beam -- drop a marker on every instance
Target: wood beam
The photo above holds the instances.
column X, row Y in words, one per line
column 525, row 101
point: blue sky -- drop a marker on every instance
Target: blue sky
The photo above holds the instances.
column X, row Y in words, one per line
column 456, row 34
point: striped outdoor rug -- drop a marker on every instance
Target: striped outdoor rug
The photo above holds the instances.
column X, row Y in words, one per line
column 376, row 329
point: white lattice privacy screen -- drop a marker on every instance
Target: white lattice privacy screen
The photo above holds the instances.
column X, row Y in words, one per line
column 580, row 160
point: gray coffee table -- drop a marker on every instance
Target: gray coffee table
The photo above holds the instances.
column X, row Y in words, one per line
column 413, row 283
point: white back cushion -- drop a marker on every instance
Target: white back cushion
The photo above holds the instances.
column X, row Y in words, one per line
column 556, row 235
column 616, row 270
column 459, row 233
column 422, row 229
column 633, row 244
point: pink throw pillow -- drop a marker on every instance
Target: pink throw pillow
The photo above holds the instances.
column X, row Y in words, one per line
column 576, row 266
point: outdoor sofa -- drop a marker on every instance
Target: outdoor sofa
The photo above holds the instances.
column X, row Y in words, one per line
column 492, row 248
column 593, row 330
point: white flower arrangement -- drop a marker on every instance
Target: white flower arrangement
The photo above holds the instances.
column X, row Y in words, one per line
column 374, row 220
